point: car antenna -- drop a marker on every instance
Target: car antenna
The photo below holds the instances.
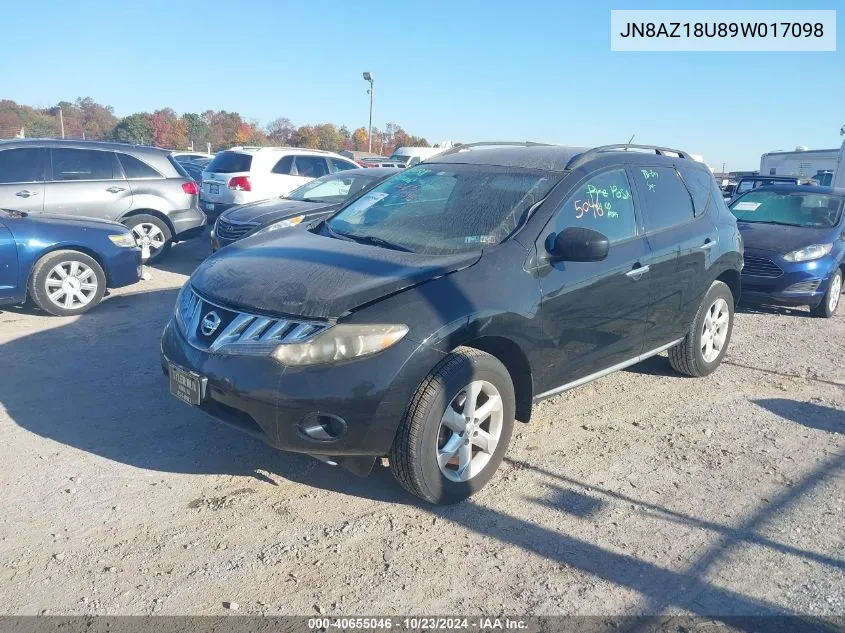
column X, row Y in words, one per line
column 630, row 139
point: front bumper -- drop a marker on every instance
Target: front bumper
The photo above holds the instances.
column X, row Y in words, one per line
column 187, row 223
column 799, row 284
column 123, row 267
column 260, row 397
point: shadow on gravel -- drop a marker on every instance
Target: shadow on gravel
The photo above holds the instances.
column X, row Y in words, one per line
column 753, row 308
column 814, row 416
column 184, row 257
column 662, row 589
column 655, row 366
column 95, row 383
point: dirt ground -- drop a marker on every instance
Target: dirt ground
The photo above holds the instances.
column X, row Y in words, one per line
column 643, row 492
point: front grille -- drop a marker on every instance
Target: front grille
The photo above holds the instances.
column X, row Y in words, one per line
column 231, row 230
column 805, row 286
column 760, row 267
column 236, row 332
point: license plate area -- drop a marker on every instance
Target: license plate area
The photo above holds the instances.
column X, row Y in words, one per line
column 188, row 386
column 215, row 189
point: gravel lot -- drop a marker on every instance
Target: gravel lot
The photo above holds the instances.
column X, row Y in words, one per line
column 644, row 492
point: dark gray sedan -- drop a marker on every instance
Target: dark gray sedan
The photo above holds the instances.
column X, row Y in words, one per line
column 318, row 198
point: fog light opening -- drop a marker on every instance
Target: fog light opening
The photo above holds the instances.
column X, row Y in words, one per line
column 323, row 427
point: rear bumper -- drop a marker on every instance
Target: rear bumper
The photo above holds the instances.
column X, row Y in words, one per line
column 214, row 209
column 192, row 219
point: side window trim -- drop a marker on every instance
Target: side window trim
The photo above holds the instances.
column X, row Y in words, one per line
column 117, row 168
column 695, row 213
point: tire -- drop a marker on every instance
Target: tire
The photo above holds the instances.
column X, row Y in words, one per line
column 152, row 233
column 424, row 437
column 830, row 302
column 67, row 283
column 691, row 356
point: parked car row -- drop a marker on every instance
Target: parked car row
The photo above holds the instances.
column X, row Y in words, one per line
column 417, row 313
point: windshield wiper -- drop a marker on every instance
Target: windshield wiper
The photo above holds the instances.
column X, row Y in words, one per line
column 373, row 240
column 770, row 222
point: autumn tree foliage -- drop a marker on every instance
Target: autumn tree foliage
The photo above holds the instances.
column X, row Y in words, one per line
column 85, row 118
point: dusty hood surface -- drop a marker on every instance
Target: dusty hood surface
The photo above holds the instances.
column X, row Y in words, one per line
column 267, row 211
column 782, row 239
column 300, row 273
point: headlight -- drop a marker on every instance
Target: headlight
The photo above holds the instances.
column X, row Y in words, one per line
column 808, row 253
column 124, row 240
column 283, row 224
column 341, row 342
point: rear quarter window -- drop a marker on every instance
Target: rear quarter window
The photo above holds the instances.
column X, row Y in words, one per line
column 230, row 162
column 134, row 168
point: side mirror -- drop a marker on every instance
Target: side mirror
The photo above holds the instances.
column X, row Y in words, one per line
column 578, row 245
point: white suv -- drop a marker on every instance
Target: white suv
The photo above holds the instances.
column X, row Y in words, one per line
column 249, row 174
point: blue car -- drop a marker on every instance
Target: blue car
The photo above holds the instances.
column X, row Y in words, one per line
column 794, row 246
column 63, row 264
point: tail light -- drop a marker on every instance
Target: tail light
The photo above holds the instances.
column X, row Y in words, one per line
column 190, row 188
column 240, row 183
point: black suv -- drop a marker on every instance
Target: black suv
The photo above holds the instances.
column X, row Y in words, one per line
column 426, row 315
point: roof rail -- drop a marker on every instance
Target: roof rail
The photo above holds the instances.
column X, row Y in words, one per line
column 580, row 159
column 458, row 148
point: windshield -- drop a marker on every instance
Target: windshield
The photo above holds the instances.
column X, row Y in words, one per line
column 439, row 209
column 790, row 208
column 331, row 189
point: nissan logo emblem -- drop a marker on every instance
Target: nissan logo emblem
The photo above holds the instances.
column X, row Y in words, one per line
column 210, row 323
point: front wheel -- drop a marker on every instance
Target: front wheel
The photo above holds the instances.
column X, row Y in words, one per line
column 456, row 430
column 706, row 343
column 827, row 308
column 67, row 283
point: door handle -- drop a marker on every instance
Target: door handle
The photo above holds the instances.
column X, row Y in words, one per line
column 708, row 244
column 26, row 193
column 115, row 189
column 638, row 271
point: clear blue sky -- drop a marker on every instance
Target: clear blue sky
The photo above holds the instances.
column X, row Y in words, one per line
column 461, row 69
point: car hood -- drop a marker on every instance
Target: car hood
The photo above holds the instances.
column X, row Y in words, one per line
column 300, row 273
column 267, row 211
column 781, row 239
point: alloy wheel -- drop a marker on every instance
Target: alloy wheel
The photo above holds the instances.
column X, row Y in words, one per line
column 469, row 431
column 714, row 330
column 71, row 285
column 149, row 238
column 835, row 292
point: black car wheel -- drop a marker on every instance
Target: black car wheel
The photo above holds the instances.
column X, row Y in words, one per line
column 827, row 308
column 706, row 343
column 67, row 283
column 457, row 428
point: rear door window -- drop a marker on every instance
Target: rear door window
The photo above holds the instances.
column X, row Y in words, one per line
column 667, row 201
column 21, row 165
column 134, row 168
column 341, row 165
column 310, row 166
column 603, row 203
column 83, row 164
column 230, row 162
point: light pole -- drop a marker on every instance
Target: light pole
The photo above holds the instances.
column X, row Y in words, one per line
column 369, row 77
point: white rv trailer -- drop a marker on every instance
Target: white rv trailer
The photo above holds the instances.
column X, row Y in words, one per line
column 809, row 163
